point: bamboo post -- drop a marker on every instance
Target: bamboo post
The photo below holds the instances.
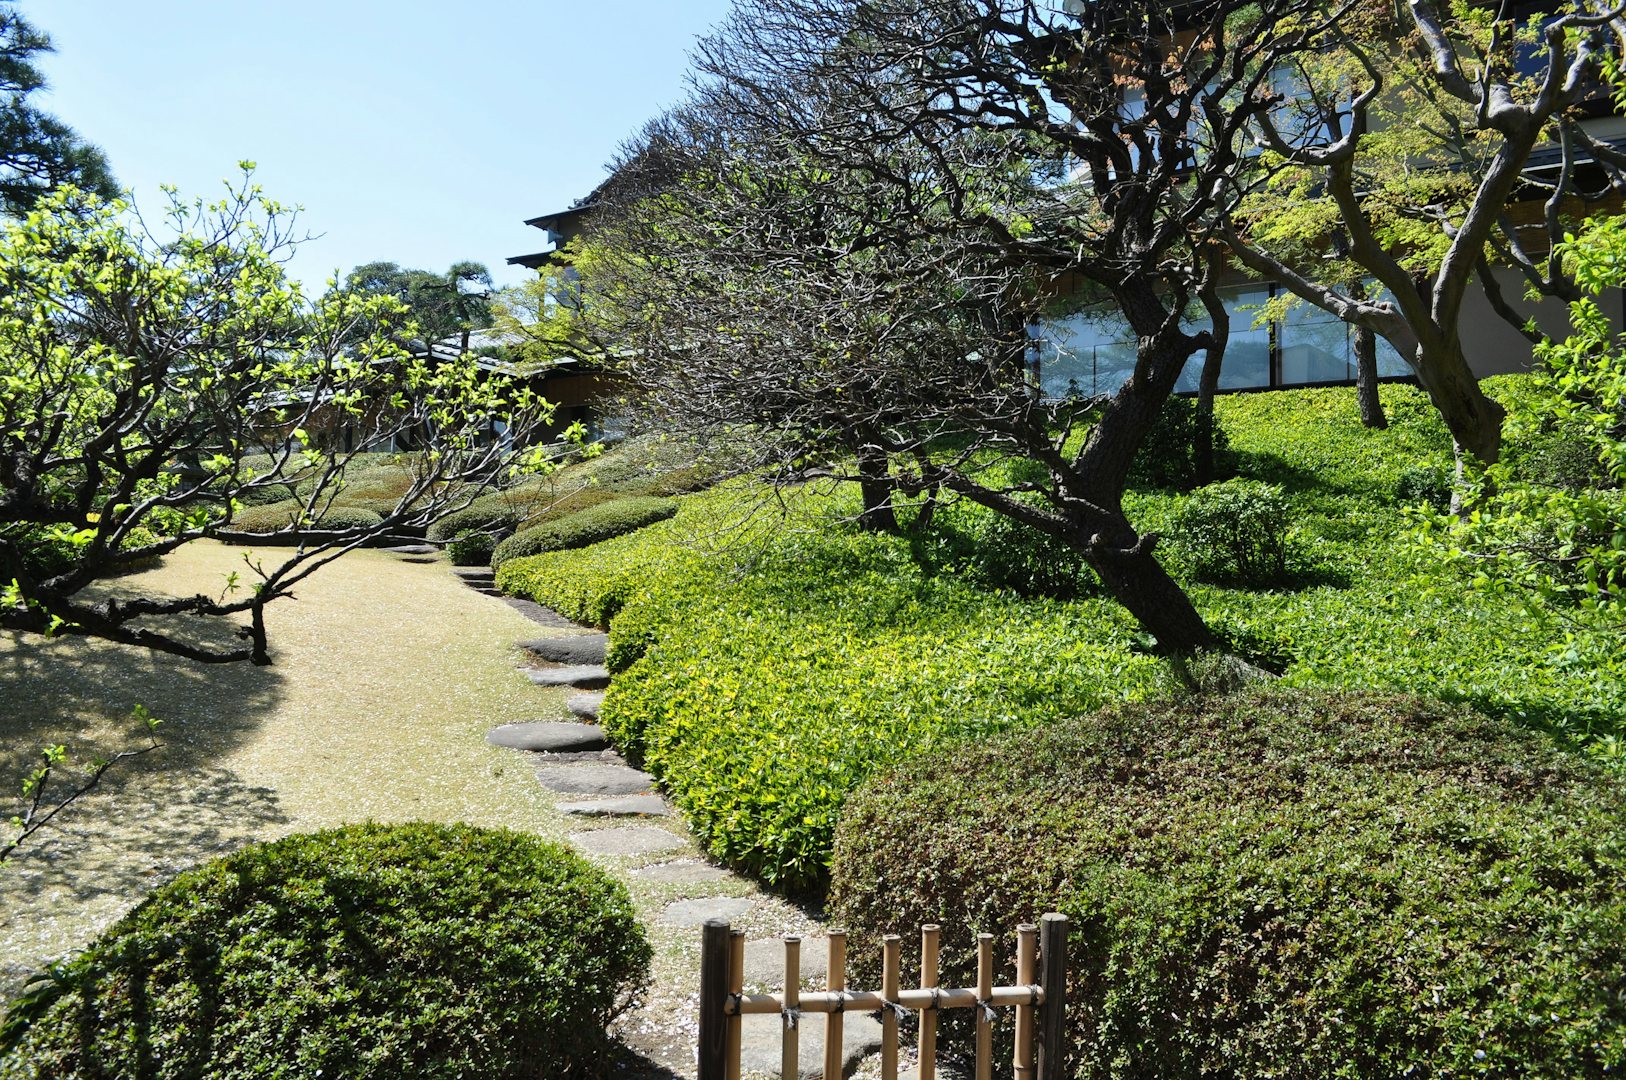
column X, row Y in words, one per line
column 714, row 964
column 1027, row 948
column 790, row 1049
column 985, row 994
column 736, row 986
column 928, row 1017
column 891, row 960
column 835, row 981
column 1053, row 979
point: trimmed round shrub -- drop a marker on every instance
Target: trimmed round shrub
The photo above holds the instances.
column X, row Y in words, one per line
column 1236, row 532
column 1427, row 485
column 1275, row 884
column 471, row 548
column 482, row 516
column 603, row 522
column 279, row 517
column 1167, row 459
column 370, row 951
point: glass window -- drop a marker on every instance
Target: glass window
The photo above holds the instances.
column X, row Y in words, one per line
column 1092, row 352
column 1314, row 346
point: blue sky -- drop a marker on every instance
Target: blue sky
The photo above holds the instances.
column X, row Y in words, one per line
column 421, row 133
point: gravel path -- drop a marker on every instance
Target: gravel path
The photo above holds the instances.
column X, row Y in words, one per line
column 389, row 674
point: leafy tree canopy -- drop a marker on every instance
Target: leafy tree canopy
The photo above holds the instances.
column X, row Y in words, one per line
column 442, row 305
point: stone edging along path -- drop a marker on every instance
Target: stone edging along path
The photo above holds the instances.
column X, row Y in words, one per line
column 628, row 827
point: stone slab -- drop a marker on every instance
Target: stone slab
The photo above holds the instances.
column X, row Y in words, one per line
column 569, row 649
column 537, row 613
column 631, row 840
column 683, row 872
column 581, row 676
column 586, row 704
column 412, row 549
column 549, row 736
column 473, row 571
column 625, row 806
column 696, row 912
column 595, row 779
column 760, row 1043
column 765, row 962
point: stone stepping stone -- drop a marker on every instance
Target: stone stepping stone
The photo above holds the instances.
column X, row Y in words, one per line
column 595, row 779
column 421, row 560
column 586, row 704
column 760, row 1045
column 686, row 872
column 581, row 676
column 413, row 549
column 539, row 614
column 765, row 961
column 548, row 736
column 575, row 649
column 475, row 573
column 696, row 912
column 625, row 806
column 630, row 840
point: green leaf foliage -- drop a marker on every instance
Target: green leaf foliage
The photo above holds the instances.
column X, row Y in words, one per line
column 591, row 526
column 367, row 951
column 1305, row 884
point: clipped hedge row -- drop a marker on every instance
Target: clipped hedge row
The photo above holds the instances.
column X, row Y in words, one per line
column 1285, row 884
column 591, row 526
column 281, row 516
column 370, row 951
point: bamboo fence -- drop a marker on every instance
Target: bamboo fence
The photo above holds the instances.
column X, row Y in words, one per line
column 1039, row 1000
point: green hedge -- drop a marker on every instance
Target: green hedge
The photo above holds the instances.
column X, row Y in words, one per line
column 278, row 517
column 591, row 526
column 370, row 951
column 736, row 631
column 493, row 517
column 1286, row 884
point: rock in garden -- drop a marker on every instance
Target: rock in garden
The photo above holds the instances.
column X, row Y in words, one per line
column 595, row 779
column 569, row 649
column 582, row 676
column 760, row 1043
column 625, row 806
column 548, row 736
column 696, row 912
column 684, row 872
column 765, row 961
column 586, row 704
column 628, row 841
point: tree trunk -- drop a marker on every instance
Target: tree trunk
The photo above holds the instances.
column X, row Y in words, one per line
column 1208, row 385
column 875, row 483
column 1138, row 581
column 1366, row 378
column 1474, row 420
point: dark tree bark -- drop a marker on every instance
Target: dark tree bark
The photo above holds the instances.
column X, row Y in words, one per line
column 875, row 482
column 1366, row 378
column 1208, row 383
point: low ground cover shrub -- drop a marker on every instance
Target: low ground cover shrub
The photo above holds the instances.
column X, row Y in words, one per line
column 1279, row 884
column 591, row 526
column 367, row 951
column 751, row 624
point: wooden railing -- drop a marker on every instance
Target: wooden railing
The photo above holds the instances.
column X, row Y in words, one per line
column 1039, row 999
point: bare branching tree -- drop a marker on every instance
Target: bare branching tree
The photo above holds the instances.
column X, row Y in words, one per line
column 842, row 242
